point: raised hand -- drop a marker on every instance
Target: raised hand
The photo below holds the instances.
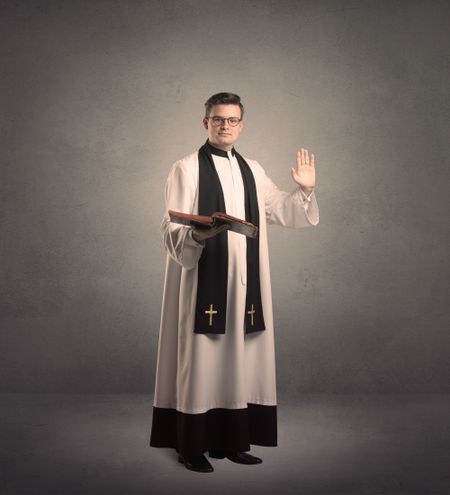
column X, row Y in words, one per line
column 305, row 173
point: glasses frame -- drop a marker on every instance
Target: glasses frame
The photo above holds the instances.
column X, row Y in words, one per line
column 223, row 119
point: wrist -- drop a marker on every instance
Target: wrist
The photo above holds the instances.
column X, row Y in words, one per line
column 307, row 190
column 194, row 236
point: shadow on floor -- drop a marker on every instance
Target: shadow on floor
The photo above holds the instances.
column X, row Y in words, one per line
column 328, row 445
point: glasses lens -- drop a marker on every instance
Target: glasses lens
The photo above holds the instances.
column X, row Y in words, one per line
column 217, row 120
column 233, row 121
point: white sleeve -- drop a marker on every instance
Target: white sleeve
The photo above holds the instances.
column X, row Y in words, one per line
column 294, row 209
column 181, row 190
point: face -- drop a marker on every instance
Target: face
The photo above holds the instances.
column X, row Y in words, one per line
column 224, row 135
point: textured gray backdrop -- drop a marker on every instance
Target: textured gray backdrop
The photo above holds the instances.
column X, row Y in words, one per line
column 98, row 98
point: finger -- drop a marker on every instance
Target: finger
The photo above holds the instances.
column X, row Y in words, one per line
column 215, row 231
column 295, row 175
column 223, row 227
column 303, row 156
column 299, row 158
column 312, row 160
column 306, row 157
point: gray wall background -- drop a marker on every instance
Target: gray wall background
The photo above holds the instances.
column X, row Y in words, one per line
column 99, row 98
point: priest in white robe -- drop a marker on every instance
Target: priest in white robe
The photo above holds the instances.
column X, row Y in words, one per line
column 215, row 385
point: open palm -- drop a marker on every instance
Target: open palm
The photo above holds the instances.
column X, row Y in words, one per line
column 305, row 173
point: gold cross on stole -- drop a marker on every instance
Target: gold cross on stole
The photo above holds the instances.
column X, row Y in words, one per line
column 211, row 313
column 251, row 312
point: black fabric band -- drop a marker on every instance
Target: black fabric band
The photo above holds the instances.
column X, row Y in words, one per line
column 216, row 429
column 213, row 264
column 254, row 317
column 210, row 314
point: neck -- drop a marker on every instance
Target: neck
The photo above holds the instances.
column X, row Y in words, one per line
column 223, row 147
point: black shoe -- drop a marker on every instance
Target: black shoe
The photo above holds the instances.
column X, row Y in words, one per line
column 197, row 463
column 237, row 457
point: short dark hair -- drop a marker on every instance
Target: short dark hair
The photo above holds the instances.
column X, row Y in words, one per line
column 223, row 99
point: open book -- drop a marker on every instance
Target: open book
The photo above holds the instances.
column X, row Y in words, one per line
column 218, row 218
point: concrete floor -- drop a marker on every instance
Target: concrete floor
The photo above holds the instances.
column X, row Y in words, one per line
column 98, row 444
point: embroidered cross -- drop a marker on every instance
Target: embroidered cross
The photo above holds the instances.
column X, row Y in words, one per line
column 211, row 313
column 251, row 313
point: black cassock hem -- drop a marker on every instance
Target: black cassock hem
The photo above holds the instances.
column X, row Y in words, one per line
column 216, row 429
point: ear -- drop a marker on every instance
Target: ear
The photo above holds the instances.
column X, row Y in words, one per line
column 205, row 123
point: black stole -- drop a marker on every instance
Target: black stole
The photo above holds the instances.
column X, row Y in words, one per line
column 211, row 306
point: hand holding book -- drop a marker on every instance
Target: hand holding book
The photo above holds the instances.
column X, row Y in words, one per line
column 200, row 234
column 208, row 226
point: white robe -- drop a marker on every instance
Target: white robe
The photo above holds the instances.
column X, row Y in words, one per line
column 199, row 372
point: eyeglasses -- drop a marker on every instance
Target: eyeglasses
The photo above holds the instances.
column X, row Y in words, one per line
column 233, row 121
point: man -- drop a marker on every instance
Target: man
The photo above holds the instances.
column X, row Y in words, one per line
column 215, row 379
